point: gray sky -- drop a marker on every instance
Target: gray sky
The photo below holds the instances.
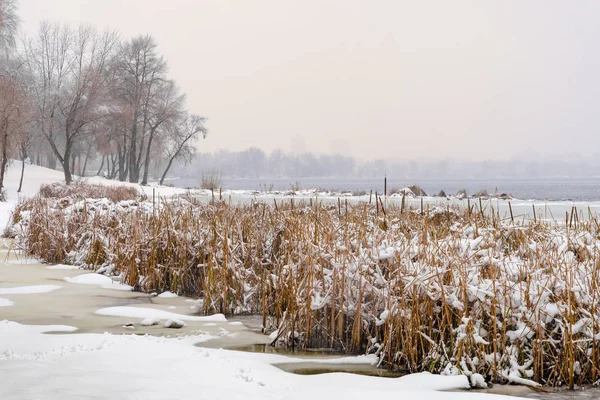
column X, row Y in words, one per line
column 377, row 79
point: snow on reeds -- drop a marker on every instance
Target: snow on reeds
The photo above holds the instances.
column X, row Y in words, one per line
column 443, row 290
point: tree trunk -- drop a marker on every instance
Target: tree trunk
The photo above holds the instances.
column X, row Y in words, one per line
column 65, row 164
column 4, row 160
column 101, row 166
column 23, row 158
column 133, row 174
column 122, row 158
column 87, row 155
column 72, row 158
column 147, row 160
column 162, row 179
column 52, row 161
column 112, row 167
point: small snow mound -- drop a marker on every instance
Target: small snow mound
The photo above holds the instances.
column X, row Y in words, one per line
column 167, row 295
column 174, row 324
column 478, row 382
column 103, row 281
column 150, row 321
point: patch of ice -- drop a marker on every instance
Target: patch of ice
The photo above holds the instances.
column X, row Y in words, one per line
column 90, row 279
column 62, row 266
column 140, row 312
column 29, row 289
column 99, row 280
column 24, row 261
column 6, row 302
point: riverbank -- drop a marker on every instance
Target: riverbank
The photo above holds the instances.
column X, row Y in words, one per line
column 72, row 361
column 105, row 357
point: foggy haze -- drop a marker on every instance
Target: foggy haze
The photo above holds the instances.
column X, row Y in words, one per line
column 470, row 80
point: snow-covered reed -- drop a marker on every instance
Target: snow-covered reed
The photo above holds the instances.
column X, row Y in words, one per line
column 444, row 289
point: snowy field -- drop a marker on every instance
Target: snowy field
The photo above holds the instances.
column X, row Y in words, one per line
column 69, row 334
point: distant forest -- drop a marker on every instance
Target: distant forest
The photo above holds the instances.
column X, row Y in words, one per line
column 254, row 163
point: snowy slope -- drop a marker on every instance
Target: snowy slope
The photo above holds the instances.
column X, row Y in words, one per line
column 104, row 366
column 34, row 177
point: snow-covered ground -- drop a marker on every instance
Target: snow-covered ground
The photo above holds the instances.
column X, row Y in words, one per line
column 105, row 366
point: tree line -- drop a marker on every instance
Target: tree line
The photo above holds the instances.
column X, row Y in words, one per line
column 254, row 163
column 73, row 95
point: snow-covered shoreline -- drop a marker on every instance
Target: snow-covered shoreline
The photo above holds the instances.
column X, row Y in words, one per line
column 74, row 365
column 473, row 248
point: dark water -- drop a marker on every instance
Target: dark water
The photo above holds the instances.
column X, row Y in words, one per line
column 550, row 189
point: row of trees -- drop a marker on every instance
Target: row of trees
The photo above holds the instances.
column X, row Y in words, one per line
column 254, row 163
column 70, row 97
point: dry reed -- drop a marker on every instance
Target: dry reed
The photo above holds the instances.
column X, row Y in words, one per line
column 443, row 290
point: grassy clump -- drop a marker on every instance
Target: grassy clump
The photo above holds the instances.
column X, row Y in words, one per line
column 78, row 191
column 443, row 290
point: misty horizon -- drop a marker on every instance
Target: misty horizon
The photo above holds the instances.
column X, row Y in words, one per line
column 465, row 80
column 254, row 163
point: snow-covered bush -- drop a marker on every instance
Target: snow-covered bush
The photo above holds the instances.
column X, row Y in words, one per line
column 79, row 191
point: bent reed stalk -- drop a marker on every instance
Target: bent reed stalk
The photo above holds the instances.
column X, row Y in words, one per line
column 444, row 290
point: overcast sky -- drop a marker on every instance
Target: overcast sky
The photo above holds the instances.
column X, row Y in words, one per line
column 376, row 79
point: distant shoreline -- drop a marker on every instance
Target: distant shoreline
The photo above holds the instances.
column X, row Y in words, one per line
column 538, row 189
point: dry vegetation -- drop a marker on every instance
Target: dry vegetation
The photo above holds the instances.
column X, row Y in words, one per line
column 79, row 191
column 442, row 290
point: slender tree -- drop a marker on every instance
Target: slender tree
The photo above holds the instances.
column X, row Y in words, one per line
column 180, row 141
column 167, row 106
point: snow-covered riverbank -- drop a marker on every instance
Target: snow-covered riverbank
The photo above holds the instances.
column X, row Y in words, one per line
column 53, row 344
column 30, row 292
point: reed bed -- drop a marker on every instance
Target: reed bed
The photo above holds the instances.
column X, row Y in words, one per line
column 441, row 290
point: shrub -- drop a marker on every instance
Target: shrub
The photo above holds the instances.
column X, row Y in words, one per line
column 211, row 180
column 417, row 190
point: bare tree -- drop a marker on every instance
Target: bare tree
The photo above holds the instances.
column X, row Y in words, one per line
column 167, row 106
column 69, row 70
column 139, row 71
column 9, row 23
column 13, row 120
column 180, row 140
